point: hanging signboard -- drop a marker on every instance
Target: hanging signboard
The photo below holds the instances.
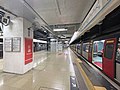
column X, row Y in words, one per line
column 28, row 50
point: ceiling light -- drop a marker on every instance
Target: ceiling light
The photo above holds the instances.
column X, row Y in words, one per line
column 62, row 37
column 39, row 41
column 58, row 30
column 45, row 31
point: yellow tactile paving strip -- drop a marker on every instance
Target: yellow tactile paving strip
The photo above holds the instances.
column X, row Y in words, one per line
column 89, row 84
column 99, row 88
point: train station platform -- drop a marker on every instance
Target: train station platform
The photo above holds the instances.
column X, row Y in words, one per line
column 95, row 76
column 55, row 71
column 51, row 71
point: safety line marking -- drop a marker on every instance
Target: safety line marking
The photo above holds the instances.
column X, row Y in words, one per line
column 88, row 83
column 99, row 88
column 79, row 61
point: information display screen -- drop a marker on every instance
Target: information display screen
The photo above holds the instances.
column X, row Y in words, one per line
column 13, row 44
column 16, row 44
column 8, row 44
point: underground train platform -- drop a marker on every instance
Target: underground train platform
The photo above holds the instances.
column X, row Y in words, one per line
column 59, row 44
column 57, row 71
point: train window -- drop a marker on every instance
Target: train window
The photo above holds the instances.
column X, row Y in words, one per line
column 94, row 47
column 109, row 51
column 90, row 48
column 79, row 48
column 86, row 47
column 118, row 52
column 100, row 45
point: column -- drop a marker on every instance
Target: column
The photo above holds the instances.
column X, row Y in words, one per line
column 18, row 46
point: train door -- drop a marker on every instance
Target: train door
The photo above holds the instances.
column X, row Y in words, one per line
column 118, row 61
column 85, row 50
column 97, row 53
column 90, row 53
column 109, row 57
column 79, row 49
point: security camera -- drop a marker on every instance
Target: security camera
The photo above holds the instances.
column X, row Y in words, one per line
column 1, row 15
column 5, row 20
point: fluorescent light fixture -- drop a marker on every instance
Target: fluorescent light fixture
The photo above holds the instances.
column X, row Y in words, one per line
column 61, row 29
column 75, row 36
column 62, row 37
column 66, row 41
column 52, row 39
column 45, row 31
column 40, row 41
column 1, row 36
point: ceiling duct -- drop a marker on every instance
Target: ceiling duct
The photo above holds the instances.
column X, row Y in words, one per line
column 36, row 25
column 58, row 6
column 33, row 10
column 99, row 23
column 2, row 8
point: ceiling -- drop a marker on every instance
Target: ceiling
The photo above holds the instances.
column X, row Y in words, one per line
column 61, row 13
column 65, row 12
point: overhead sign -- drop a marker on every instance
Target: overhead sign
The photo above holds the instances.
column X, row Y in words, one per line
column 111, row 41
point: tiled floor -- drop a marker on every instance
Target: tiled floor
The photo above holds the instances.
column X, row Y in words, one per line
column 1, row 64
column 51, row 71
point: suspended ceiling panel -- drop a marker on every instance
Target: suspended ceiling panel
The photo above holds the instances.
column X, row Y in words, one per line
column 52, row 11
column 18, row 8
column 61, row 11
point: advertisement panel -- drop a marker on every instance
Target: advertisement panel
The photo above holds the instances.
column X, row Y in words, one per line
column 28, row 50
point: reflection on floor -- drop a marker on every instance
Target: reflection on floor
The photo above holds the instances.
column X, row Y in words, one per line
column 51, row 71
column 99, row 64
column 97, row 60
column 1, row 64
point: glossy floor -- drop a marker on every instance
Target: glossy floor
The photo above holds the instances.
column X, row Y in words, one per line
column 51, row 71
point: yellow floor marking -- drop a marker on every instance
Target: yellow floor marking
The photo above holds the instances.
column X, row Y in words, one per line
column 86, row 79
column 99, row 88
column 89, row 84
column 79, row 60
